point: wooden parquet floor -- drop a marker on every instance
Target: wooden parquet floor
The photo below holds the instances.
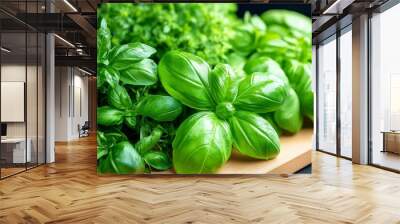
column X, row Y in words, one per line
column 70, row 191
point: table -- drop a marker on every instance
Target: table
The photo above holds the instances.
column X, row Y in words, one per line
column 391, row 141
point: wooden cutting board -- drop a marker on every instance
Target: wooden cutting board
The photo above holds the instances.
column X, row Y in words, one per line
column 295, row 154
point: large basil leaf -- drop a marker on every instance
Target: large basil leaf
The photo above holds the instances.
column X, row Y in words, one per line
column 289, row 116
column 299, row 75
column 159, row 108
column 125, row 55
column 158, row 160
column 141, row 73
column 119, row 98
column 202, row 144
column 108, row 75
column 223, row 87
column 254, row 136
column 146, row 143
column 260, row 93
column 108, row 116
column 125, row 159
column 265, row 65
column 279, row 48
column 185, row 77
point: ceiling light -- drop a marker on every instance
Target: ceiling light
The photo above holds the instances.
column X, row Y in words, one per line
column 65, row 41
column 70, row 5
column 5, row 50
column 84, row 71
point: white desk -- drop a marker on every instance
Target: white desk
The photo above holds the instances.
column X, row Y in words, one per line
column 18, row 145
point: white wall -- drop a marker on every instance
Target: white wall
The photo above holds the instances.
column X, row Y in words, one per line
column 70, row 83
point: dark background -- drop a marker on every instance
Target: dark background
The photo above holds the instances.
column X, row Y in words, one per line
column 259, row 8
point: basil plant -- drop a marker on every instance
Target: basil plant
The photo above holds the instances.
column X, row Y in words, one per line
column 228, row 109
column 127, row 107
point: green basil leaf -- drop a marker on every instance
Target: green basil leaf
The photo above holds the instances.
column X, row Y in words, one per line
column 299, row 75
column 141, row 73
column 269, row 118
column 296, row 23
column 159, row 108
column 247, row 34
column 110, row 75
column 101, row 152
column 109, row 116
column 237, row 62
column 260, row 93
column 289, row 116
column 279, row 48
column 101, row 78
column 245, row 39
column 267, row 66
column 125, row 159
column 119, row 98
column 113, row 137
column 145, row 144
column 104, row 165
column 102, row 144
column 254, row 136
column 158, row 160
column 123, row 56
column 101, row 138
column 103, row 42
column 185, row 77
column 202, row 144
column 222, row 85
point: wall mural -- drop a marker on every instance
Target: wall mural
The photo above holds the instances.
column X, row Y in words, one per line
column 189, row 88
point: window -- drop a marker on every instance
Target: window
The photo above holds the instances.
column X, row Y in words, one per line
column 385, row 89
column 327, row 96
column 346, row 92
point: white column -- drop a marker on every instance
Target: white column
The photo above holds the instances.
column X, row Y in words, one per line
column 360, row 90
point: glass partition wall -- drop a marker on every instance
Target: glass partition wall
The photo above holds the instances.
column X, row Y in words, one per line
column 334, row 105
column 327, row 95
column 385, row 90
column 22, row 95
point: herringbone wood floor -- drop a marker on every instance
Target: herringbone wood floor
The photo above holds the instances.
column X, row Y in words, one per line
column 70, row 191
